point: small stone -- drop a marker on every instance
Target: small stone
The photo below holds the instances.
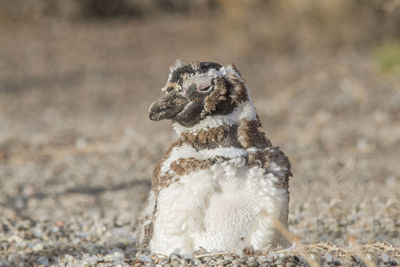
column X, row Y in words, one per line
column 385, row 257
column 226, row 261
column 83, row 234
column 43, row 261
column 37, row 232
column 328, row 258
column 252, row 262
column 108, row 257
column 90, row 259
column 116, row 250
column 54, row 229
column 37, row 247
column 144, row 258
column 68, row 257
column 174, row 257
column 197, row 261
column 118, row 256
column 187, row 256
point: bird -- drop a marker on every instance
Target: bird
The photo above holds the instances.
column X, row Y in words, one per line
column 221, row 186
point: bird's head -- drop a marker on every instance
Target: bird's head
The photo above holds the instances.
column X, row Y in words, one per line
column 199, row 91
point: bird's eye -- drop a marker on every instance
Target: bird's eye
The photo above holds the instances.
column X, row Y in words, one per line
column 205, row 89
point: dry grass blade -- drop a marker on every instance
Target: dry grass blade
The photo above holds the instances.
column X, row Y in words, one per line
column 295, row 240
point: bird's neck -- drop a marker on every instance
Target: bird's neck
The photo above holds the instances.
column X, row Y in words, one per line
column 221, row 136
column 244, row 135
column 239, row 129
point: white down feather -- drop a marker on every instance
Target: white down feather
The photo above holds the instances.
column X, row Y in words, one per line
column 224, row 208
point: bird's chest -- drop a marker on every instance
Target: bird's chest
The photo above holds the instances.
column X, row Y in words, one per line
column 225, row 182
column 211, row 204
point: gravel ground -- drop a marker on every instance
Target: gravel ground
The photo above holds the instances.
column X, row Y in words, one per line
column 77, row 149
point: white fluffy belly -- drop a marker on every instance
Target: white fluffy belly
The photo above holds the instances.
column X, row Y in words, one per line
column 215, row 209
column 226, row 208
column 228, row 220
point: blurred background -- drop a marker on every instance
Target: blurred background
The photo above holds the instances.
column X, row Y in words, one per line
column 77, row 77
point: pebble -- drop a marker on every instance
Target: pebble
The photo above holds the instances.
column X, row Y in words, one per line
column 328, row 258
column 226, row 261
column 55, row 229
column 43, row 261
column 38, row 247
column 37, row 231
column 144, row 258
column 117, row 256
column 90, row 259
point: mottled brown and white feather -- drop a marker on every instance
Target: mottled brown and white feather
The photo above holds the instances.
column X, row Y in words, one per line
column 222, row 184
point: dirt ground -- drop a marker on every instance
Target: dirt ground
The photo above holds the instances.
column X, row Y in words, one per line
column 77, row 148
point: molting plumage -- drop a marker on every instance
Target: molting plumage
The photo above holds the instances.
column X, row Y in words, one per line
column 221, row 185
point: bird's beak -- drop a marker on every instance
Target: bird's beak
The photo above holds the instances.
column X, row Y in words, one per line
column 167, row 107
